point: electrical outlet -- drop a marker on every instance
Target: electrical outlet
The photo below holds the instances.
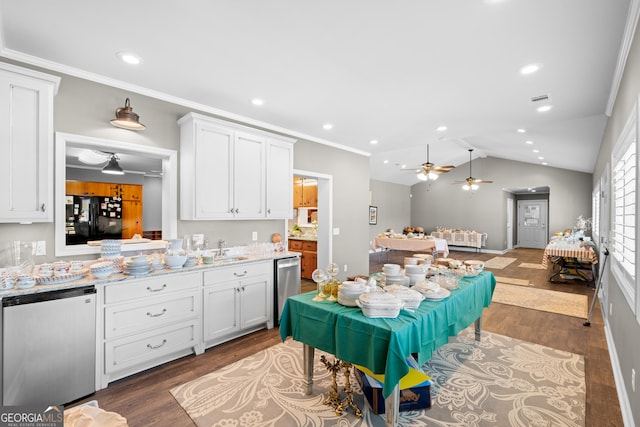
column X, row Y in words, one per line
column 633, row 379
column 336, row 231
column 345, row 267
column 254, row 236
column 41, row 247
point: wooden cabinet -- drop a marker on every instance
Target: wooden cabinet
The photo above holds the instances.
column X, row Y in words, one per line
column 224, row 171
column 147, row 322
column 131, row 218
column 26, row 143
column 237, row 300
column 309, row 257
column 305, row 192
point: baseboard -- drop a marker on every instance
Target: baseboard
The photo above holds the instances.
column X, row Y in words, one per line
column 475, row 250
column 623, row 397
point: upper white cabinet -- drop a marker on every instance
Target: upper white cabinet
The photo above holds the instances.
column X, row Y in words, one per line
column 26, row 143
column 230, row 171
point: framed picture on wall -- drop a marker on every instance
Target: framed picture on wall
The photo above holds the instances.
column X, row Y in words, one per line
column 373, row 215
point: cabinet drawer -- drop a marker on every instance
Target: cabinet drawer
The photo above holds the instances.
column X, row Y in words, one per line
column 124, row 319
column 295, row 245
column 237, row 272
column 152, row 286
column 310, row 246
column 140, row 349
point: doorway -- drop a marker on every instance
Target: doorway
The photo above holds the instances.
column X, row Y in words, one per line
column 324, row 214
column 532, row 223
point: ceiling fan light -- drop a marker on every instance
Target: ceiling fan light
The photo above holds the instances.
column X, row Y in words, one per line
column 466, row 187
column 432, row 176
column 421, row 176
column 127, row 119
column 474, row 186
column 113, row 168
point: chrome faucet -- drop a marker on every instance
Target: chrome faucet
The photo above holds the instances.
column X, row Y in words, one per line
column 221, row 250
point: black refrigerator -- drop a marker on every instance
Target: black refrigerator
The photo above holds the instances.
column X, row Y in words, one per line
column 93, row 218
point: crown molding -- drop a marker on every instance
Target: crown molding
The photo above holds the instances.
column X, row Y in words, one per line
column 97, row 78
column 625, row 47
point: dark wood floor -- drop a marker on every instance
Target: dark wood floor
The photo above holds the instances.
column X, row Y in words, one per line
column 144, row 399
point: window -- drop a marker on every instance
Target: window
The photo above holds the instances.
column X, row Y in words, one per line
column 624, row 201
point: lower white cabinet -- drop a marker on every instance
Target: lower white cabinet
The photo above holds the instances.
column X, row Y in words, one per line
column 150, row 321
column 237, row 300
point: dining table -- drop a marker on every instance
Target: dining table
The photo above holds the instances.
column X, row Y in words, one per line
column 571, row 258
column 412, row 244
column 383, row 345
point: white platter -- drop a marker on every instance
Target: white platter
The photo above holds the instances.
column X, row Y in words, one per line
column 437, row 296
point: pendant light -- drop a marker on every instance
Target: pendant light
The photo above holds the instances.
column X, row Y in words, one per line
column 126, row 118
column 113, row 168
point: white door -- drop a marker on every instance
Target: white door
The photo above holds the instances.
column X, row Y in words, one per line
column 532, row 223
column 509, row 223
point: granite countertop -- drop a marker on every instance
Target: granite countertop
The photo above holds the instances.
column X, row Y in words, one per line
column 303, row 237
column 89, row 280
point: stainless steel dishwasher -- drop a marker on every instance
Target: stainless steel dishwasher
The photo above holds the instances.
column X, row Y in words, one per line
column 49, row 347
column 286, row 283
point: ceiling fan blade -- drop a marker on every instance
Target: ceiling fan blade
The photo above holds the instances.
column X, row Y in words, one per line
column 482, row 181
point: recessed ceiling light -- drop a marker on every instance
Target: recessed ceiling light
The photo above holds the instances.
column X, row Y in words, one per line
column 545, row 163
column 530, row 69
column 533, row 190
column 528, row 142
column 129, row 58
column 441, row 128
column 540, row 158
column 373, row 142
column 327, row 126
column 544, row 108
column 385, row 162
column 521, row 130
column 403, row 166
column 536, row 151
column 257, row 101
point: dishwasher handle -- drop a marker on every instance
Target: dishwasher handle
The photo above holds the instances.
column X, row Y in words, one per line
column 289, row 263
column 47, row 296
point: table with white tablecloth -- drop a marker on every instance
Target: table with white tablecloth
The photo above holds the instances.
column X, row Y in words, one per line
column 412, row 244
column 453, row 237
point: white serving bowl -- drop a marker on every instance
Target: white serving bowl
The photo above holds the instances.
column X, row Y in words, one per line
column 414, row 268
column 175, row 261
column 102, row 273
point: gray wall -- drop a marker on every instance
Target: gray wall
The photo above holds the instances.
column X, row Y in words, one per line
column 350, row 174
column 394, row 207
column 622, row 324
column 443, row 203
column 85, row 108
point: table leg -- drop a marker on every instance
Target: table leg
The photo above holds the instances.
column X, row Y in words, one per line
column 392, row 407
column 478, row 328
column 307, row 366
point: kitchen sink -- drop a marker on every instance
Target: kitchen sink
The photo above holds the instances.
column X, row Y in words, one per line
column 230, row 259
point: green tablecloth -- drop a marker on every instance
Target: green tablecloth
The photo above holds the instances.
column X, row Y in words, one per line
column 383, row 345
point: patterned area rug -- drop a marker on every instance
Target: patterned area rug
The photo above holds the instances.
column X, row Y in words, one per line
column 530, row 265
column 513, row 281
column 542, row 299
column 498, row 262
column 500, row 381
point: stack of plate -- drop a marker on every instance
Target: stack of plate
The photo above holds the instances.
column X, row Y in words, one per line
column 110, row 248
column 191, row 261
column 117, row 262
column 137, row 266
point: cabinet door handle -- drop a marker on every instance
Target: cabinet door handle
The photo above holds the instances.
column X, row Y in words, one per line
column 237, row 210
column 269, row 211
column 238, row 290
column 153, row 347
column 240, row 274
column 43, row 207
column 243, row 289
column 164, row 310
column 156, row 290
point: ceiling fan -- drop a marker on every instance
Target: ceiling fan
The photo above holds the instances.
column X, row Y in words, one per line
column 471, row 183
column 429, row 171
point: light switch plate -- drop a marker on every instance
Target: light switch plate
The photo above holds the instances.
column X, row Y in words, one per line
column 336, row 231
column 254, row 236
column 41, row 247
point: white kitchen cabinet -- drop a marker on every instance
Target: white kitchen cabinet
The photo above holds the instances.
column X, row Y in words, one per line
column 229, row 171
column 149, row 321
column 26, row 141
column 237, row 300
column 279, row 176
